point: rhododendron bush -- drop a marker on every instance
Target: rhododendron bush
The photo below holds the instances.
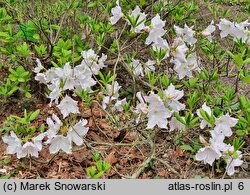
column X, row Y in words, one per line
column 110, row 77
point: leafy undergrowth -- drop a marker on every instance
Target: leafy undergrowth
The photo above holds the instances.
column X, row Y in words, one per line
column 118, row 89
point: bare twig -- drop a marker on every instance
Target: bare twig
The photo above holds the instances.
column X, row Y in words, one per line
column 168, row 166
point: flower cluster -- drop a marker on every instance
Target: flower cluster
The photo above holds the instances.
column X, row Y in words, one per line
column 59, row 80
column 67, row 78
column 61, row 137
column 140, row 69
column 216, row 148
column 238, row 31
column 71, row 78
column 184, row 65
column 29, row 148
column 58, row 136
column 186, row 34
column 138, row 18
column 111, row 96
column 159, row 109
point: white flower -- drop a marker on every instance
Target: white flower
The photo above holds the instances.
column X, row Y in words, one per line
column 68, row 77
column 240, row 31
column 92, row 60
column 224, row 123
column 118, row 105
column 141, row 107
column 236, row 30
column 175, row 124
column 180, row 50
column 14, row 143
column 156, row 30
column 59, row 142
column 136, row 67
column 55, row 90
column 212, row 151
column 69, row 83
column 216, row 141
column 184, row 66
column 204, row 123
column 186, row 33
column 149, row 66
column 89, row 56
column 193, row 62
column 207, row 32
column 117, row 13
column 173, row 96
column 232, row 161
column 28, row 149
column 38, row 141
column 208, row 154
column 53, row 127
column 39, row 66
column 67, row 106
column 106, row 100
column 101, row 64
column 165, row 2
column 136, row 13
column 41, row 78
column 161, row 44
column 113, row 90
column 77, row 132
column 157, row 112
column 83, row 77
column 226, row 27
column 112, row 95
column 51, row 74
column 180, row 68
column 67, row 71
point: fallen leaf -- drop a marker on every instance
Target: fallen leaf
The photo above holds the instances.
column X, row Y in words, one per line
column 111, row 158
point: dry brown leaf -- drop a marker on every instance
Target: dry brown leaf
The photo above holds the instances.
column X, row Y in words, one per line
column 111, row 158
column 103, row 125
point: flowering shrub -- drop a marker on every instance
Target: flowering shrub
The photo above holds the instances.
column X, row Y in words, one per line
column 175, row 87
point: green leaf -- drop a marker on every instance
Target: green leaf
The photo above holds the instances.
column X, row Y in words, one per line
column 106, row 166
column 98, row 175
column 91, row 171
column 27, row 94
column 99, row 165
column 5, row 176
column 179, row 118
column 96, row 156
column 246, row 79
column 54, row 26
column 238, row 60
column 6, row 160
column 15, row 88
column 91, row 5
column 36, row 36
column 33, row 115
column 187, row 148
column 42, row 128
column 246, row 61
